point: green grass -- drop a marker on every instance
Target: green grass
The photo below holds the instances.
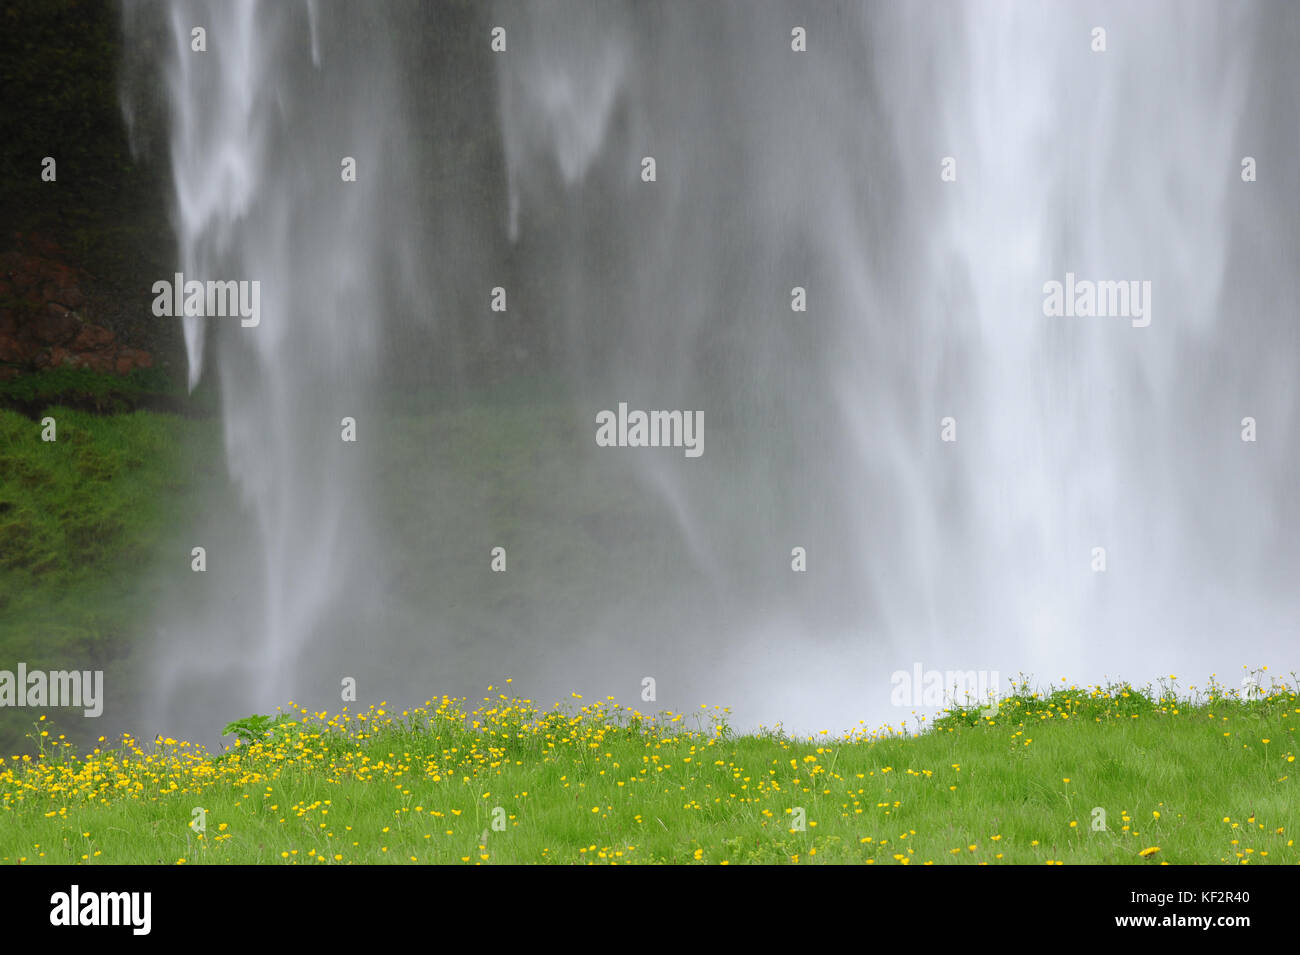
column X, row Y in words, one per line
column 83, row 521
column 54, row 383
column 101, row 393
column 1203, row 776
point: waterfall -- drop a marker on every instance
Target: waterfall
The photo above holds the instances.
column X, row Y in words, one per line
column 921, row 172
column 262, row 121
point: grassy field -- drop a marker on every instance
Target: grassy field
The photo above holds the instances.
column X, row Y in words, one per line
column 1194, row 776
column 1187, row 776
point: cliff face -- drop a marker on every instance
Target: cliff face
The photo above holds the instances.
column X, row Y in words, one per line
column 83, row 222
column 47, row 320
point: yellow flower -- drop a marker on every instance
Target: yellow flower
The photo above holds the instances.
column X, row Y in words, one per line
column 1149, row 851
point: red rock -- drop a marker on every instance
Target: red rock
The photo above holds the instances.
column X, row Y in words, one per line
column 40, row 297
column 136, row 357
column 43, row 245
column 56, row 326
column 92, row 337
column 12, row 350
column 65, row 293
column 20, row 346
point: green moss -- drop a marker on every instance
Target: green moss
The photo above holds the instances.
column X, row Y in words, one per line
column 62, row 381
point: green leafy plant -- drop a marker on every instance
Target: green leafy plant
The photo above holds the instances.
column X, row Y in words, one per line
column 260, row 729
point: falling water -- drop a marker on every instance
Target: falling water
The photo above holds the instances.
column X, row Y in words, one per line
column 775, row 169
column 260, row 124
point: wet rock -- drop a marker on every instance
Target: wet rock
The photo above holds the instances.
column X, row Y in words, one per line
column 42, row 322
